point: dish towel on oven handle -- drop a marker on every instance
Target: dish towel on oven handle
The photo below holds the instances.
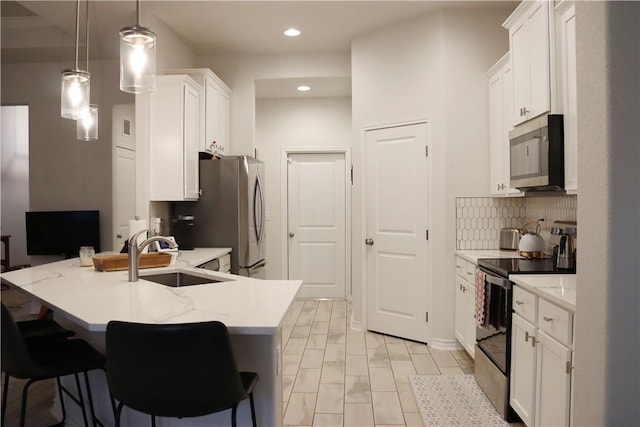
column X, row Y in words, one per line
column 481, row 297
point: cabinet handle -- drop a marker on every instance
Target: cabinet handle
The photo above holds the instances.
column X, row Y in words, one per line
column 547, row 319
column 519, row 302
column 533, row 341
column 526, row 336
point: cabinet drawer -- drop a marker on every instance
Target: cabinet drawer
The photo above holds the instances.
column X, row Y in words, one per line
column 555, row 321
column 461, row 267
column 225, row 263
column 524, row 303
column 465, row 269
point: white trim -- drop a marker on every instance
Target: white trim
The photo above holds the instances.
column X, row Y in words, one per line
column 346, row 152
column 355, row 325
column 363, row 208
column 445, row 344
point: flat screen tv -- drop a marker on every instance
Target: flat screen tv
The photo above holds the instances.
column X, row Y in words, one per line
column 62, row 232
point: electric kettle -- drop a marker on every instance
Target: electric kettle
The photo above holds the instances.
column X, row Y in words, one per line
column 531, row 243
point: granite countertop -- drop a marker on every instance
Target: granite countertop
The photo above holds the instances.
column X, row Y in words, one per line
column 559, row 289
column 92, row 298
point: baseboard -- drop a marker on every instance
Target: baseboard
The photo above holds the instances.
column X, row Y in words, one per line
column 440, row 344
column 355, row 324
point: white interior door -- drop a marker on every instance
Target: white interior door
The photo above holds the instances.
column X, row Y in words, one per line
column 124, row 175
column 316, row 217
column 397, row 260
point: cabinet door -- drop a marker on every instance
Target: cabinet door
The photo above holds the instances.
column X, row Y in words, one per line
column 223, row 137
column 470, row 320
column 553, row 382
column 567, row 22
column 520, row 62
column 497, row 133
column 191, row 142
column 461, row 307
column 523, row 369
column 539, row 93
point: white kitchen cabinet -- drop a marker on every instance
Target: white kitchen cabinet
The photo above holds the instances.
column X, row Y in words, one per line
column 214, row 110
column 465, row 325
column 500, row 112
column 173, row 139
column 541, row 361
column 566, row 49
column 529, row 47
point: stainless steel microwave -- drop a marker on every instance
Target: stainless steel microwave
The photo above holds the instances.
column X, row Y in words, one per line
column 536, row 154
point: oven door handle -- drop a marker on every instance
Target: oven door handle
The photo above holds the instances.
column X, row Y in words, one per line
column 497, row 280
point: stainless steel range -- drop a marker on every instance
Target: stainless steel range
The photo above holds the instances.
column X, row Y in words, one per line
column 493, row 324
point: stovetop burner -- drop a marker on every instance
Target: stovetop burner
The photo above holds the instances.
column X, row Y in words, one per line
column 506, row 266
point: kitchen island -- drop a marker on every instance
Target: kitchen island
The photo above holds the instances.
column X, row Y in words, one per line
column 86, row 300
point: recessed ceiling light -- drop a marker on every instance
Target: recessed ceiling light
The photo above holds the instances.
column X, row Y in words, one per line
column 292, row 32
column 304, row 88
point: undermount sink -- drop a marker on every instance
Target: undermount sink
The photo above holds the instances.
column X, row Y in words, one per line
column 178, row 279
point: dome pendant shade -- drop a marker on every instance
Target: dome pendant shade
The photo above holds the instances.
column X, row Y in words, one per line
column 137, row 60
column 74, row 94
column 87, row 125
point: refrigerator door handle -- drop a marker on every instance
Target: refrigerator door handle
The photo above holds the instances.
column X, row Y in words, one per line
column 258, row 211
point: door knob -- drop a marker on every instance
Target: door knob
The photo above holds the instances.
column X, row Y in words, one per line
column 119, row 236
column 291, row 234
column 368, row 242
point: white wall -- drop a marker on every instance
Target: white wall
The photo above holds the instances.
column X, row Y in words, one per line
column 64, row 173
column 293, row 123
column 240, row 72
column 14, row 124
column 607, row 329
column 437, row 74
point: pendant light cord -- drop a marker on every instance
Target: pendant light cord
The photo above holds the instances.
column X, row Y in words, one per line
column 77, row 30
column 87, row 30
column 137, row 13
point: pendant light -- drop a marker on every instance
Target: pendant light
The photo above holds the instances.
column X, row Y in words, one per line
column 87, row 125
column 137, row 58
column 75, row 84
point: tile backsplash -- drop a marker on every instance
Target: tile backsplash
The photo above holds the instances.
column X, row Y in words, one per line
column 479, row 219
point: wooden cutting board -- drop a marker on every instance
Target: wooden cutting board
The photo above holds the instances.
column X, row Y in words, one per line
column 121, row 261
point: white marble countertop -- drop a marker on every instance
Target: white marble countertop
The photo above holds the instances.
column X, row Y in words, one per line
column 198, row 256
column 92, row 298
column 559, row 289
column 473, row 255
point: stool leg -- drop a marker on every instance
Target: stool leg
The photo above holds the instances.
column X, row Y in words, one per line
column 23, row 404
column 93, row 412
column 253, row 410
column 233, row 415
column 64, row 411
column 81, row 400
column 5, row 389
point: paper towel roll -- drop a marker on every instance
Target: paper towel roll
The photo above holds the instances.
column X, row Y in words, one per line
column 136, row 225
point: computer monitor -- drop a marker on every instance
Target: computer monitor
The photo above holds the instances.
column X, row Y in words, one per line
column 62, row 232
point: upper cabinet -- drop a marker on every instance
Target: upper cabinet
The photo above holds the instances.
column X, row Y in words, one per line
column 566, row 49
column 500, row 112
column 530, row 53
column 173, row 139
column 213, row 110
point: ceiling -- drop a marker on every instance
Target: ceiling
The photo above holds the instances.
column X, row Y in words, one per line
column 43, row 31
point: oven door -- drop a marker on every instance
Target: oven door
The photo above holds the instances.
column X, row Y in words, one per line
column 493, row 328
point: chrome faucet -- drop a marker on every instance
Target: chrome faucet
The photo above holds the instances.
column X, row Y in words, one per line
column 135, row 250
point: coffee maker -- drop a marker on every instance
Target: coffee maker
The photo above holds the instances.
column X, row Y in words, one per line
column 183, row 231
column 564, row 242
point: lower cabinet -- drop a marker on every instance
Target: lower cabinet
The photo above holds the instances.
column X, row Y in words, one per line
column 541, row 363
column 465, row 322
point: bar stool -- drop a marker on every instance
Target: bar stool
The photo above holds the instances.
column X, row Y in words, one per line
column 35, row 362
column 175, row 370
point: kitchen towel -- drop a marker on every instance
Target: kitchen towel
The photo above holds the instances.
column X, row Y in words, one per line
column 480, row 297
column 136, row 225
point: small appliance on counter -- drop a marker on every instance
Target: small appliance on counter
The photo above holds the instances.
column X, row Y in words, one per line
column 183, row 231
column 531, row 243
column 509, row 239
column 564, row 240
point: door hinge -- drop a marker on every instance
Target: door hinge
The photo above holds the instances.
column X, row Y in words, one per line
column 427, row 234
column 426, row 316
column 426, row 151
column 351, row 174
column 569, row 367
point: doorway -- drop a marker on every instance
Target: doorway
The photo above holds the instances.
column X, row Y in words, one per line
column 317, row 205
column 124, row 172
column 397, row 284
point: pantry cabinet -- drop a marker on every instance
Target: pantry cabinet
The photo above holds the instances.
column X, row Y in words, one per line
column 541, row 360
column 213, row 110
column 173, row 139
column 465, row 325
column 529, row 47
column 500, row 112
column 566, row 48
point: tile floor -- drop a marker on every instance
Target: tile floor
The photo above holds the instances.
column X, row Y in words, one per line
column 334, row 376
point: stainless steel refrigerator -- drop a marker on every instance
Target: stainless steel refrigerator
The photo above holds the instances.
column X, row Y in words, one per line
column 231, row 211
